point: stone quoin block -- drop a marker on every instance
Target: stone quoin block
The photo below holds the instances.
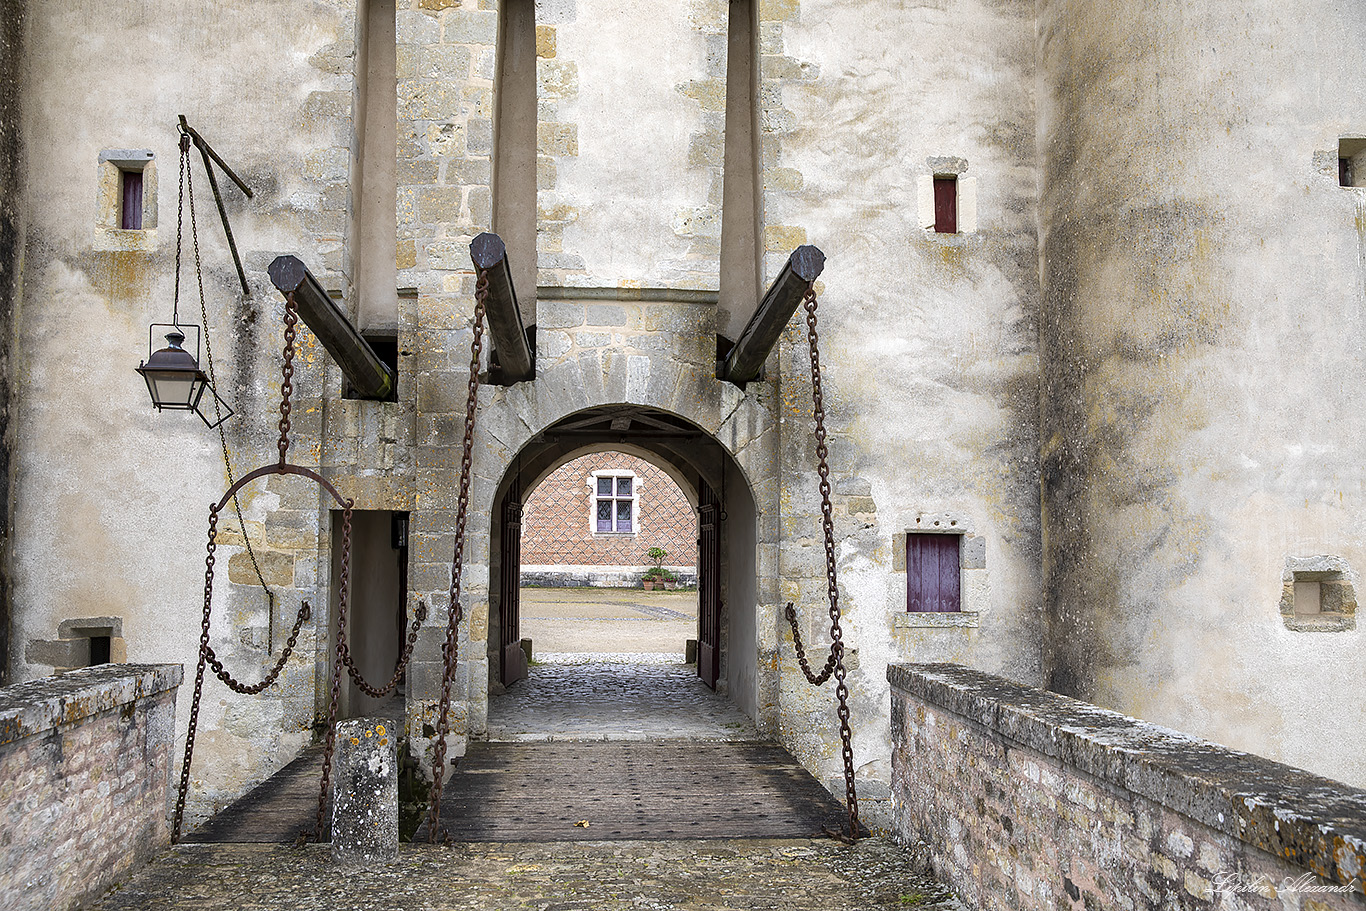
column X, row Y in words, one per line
column 365, row 795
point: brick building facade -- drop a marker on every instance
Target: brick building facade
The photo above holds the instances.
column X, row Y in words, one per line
column 606, row 509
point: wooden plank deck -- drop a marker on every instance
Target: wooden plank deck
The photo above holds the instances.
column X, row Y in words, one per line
column 275, row 811
column 539, row 792
column 629, row 790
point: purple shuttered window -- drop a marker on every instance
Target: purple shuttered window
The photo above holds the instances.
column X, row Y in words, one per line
column 130, row 213
column 932, row 578
column 946, row 205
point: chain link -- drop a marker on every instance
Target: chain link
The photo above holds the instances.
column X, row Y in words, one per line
column 835, row 663
column 198, row 676
column 450, row 651
column 331, row 739
column 237, row 686
column 287, row 375
column 399, row 666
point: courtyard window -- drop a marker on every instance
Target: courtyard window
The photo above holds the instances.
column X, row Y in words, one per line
column 614, row 503
column 933, row 579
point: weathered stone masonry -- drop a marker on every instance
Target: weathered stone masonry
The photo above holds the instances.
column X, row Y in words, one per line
column 85, row 765
column 1027, row 799
column 11, row 230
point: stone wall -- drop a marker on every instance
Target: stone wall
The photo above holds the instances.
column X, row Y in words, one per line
column 1030, row 800
column 1198, row 441
column 110, row 497
column 85, row 766
column 558, row 518
column 11, row 230
column 928, row 341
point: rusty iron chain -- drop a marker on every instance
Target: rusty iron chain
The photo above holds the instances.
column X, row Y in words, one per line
column 198, row 677
column 399, row 666
column 330, row 742
column 287, row 375
column 236, row 685
column 450, row 651
column 835, row 663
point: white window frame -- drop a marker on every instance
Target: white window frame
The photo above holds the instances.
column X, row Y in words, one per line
column 594, row 498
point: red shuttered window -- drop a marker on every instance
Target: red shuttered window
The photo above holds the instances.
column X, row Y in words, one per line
column 946, row 205
column 933, row 583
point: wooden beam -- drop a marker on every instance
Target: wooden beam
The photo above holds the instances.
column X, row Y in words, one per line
column 745, row 362
column 370, row 378
column 515, row 359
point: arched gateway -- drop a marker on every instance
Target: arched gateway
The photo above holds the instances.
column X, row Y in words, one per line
column 638, row 376
column 726, row 538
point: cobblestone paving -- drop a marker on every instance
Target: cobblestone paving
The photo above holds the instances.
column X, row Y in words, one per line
column 583, row 696
column 793, row 875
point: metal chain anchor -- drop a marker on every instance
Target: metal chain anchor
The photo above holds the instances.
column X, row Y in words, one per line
column 834, row 664
column 450, row 651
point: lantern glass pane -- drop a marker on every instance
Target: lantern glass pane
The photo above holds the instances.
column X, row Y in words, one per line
column 176, row 390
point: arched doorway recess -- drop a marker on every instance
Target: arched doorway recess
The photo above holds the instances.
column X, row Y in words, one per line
column 716, row 487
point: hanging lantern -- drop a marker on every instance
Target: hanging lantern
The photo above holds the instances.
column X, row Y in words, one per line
column 173, row 375
column 174, row 379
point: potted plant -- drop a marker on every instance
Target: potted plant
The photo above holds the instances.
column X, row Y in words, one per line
column 654, row 576
column 670, row 580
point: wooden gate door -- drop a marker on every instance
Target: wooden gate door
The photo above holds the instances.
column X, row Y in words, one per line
column 513, row 665
column 708, row 585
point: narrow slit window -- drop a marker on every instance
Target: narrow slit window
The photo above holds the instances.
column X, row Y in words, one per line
column 130, row 209
column 946, row 205
column 99, row 650
column 933, row 580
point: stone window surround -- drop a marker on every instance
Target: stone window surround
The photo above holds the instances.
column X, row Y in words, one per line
column 1352, row 151
column 943, row 166
column 971, row 566
column 71, row 649
column 1330, row 583
column 109, row 234
column 592, row 484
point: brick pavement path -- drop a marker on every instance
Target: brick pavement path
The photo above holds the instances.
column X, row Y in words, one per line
column 786, row 874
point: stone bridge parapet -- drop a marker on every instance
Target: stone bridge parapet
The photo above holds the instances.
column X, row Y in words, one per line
column 1028, row 799
column 85, row 766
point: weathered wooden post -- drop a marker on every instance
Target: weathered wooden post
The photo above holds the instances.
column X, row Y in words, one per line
column 513, row 354
column 369, row 376
column 365, row 793
column 745, row 362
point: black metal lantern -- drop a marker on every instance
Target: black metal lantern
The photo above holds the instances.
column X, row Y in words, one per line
column 174, row 379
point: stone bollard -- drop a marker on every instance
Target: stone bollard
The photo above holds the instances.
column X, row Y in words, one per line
column 365, row 793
